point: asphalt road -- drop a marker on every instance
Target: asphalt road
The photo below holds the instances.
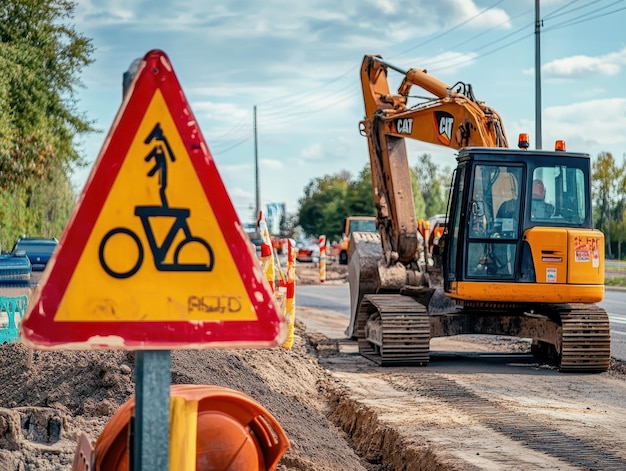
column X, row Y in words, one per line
column 615, row 304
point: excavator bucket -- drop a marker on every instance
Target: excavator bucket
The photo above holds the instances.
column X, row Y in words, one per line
column 211, row 428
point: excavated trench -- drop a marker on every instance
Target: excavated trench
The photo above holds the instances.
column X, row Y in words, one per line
column 386, row 446
column 377, row 443
column 381, row 446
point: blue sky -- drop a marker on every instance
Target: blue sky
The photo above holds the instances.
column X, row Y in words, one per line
column 298, row 63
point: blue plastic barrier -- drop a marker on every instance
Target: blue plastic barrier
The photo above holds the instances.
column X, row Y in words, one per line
column 10, row 306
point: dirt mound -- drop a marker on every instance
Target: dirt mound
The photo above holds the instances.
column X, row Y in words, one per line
column 48, row 400
column 44, row 408
column 310, row 273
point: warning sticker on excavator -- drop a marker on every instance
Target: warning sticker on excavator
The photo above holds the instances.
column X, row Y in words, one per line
column 154, row 255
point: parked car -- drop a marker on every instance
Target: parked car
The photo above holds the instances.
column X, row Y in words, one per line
column 37, row 249
column 15, row 270
column 256, row 240
column 307, row 252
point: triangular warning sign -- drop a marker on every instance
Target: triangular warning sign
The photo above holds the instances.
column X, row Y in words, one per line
column 154, row 256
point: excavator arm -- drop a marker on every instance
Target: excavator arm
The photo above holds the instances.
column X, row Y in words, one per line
column 451, row 118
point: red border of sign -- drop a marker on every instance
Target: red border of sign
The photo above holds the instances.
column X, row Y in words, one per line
column 39, row 327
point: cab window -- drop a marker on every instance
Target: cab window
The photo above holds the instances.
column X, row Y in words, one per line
column 557, row 195
column 494, row 215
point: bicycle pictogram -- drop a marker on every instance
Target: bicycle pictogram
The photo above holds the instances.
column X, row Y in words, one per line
column 160, row 153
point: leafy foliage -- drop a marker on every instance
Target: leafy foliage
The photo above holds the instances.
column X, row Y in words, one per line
column 359, row 198
column 609, row 203
column 40, row 57
column 323, row 206
column 39, row 210
column 418, row 198
column 433, row 183
column 329, row 200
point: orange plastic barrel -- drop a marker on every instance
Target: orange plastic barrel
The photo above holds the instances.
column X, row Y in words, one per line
column 232, row 432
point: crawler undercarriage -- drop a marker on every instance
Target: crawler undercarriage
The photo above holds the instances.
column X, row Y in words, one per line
column 394, row 329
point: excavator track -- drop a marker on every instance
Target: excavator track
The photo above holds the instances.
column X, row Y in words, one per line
column 393, row 330
column 586, row 338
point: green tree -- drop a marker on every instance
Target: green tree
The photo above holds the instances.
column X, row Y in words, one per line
column 607, row 180
column 619, row 232
column 418, row 198
column 360, row 196
column 40, row 210
column 41, row 55
column 359, row 199
column 432, row 183
column 322, row 208
column 329, row 200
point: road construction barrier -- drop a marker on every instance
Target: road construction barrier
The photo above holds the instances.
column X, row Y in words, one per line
column 322, row 244
column 12, row 310
column 290, row 295
column 211, row 427
column 267, row 253
column 284, row 293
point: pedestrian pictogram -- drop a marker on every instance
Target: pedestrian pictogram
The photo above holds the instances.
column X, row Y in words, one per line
column 145, row 213
column 154, row 255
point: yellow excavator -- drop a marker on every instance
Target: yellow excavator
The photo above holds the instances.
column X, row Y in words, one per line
column 519, row 256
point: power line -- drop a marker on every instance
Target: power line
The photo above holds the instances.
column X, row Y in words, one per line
column 276, row 117
column 492, row 43
column 236, row 144
column 445, row 32
column 472, row 59
column 292, row 99
column 570, row 22
column 553, row 13
column 464, row 42
column 586, row 17
column 324, row 84
column 278, row 120
column 233, row 130
column 311, row 99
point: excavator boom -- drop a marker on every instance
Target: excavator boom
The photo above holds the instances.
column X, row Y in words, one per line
column 450, row 119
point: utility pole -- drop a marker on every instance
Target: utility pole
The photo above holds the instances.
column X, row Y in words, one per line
column 257, row 206
column 537, row 76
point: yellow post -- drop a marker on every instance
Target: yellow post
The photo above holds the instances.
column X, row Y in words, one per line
column 290, row 304
column 322, row 243
column 267, row 253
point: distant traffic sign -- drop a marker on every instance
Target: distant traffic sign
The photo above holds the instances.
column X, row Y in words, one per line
column 154, row 256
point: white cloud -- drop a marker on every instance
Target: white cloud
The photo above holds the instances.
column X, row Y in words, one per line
column 481, row 17
column 592, row 126
column 313, row 153
column 238, row 192
column 271, row 164
column 106, row 12
column 584, row 66
column 447, row 63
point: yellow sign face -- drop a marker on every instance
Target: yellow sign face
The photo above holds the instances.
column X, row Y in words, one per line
column 156, row 252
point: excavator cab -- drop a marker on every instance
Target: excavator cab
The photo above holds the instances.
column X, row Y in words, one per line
column 521, row 230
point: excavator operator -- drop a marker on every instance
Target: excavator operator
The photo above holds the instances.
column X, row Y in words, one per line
column 539, row 208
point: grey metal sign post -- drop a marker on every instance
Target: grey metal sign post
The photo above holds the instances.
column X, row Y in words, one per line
column 150, row 436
